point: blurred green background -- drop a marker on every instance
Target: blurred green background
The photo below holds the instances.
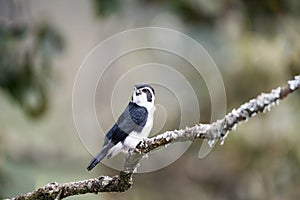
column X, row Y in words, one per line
column 255, row 44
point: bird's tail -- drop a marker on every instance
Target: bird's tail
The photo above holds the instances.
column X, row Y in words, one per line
column 100, row 156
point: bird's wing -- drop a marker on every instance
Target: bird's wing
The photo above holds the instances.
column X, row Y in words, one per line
column 133, row 118
column 115, row 135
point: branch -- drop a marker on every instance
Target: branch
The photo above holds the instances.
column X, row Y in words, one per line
column 216, row 131
column 55, row 191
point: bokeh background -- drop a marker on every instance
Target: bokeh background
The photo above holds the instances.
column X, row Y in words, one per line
column 255, row 44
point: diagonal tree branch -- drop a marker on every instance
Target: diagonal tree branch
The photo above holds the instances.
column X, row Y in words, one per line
column 216, row 131
column 219, row 130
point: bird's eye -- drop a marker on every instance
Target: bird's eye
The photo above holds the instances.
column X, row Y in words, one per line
column 144, row 90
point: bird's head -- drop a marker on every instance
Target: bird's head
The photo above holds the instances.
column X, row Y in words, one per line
column 143, row 95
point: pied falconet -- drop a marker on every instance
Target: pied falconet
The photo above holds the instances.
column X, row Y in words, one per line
column 134, row 124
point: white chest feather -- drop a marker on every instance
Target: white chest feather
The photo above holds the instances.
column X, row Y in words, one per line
column 135, row 137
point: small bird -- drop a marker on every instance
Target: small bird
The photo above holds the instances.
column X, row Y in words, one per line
column 134, row 124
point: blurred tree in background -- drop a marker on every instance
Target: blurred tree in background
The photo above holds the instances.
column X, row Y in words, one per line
column 26, row 51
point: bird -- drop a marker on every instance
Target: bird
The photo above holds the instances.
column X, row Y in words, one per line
column 133, row 125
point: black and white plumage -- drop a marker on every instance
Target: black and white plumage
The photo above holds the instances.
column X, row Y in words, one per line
column 134, row 124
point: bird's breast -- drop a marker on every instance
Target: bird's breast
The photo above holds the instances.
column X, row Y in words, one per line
column 135, row 137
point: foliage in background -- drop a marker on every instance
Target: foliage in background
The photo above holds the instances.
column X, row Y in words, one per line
column 26, row 52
